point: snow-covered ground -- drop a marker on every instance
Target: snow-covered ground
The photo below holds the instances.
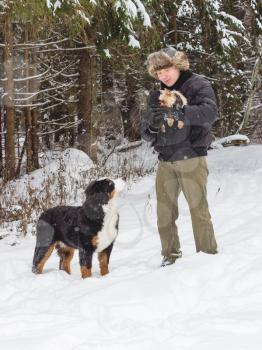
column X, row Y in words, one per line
column 201, row 302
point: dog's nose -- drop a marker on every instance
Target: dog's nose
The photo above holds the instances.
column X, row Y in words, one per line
column 124, row 178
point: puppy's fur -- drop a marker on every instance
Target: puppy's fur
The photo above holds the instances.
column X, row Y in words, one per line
column 89, row 228
column 172, row 98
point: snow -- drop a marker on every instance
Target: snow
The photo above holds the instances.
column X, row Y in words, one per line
column 133, row 9
column 83, row 16
column 143, row 13
column 62, row 176
column 52, row 5
column 48, row 3
column 201, row 302
column 107, row 53
column 238, row 24
column 69, row 164
column 133, row 42
column 186, row 8
column 57, row 4
column 228, row 139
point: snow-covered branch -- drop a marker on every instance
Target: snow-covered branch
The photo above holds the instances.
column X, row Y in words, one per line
column 32, row 77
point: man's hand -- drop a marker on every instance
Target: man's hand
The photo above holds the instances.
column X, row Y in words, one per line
column 158, row 115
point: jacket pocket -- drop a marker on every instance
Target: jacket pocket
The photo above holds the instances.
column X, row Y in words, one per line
column 200, row 137
column 171, row 136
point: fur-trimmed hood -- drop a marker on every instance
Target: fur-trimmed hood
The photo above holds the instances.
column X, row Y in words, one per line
column 165, row 58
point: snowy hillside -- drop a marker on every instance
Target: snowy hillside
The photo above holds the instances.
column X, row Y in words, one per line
column 201, row 302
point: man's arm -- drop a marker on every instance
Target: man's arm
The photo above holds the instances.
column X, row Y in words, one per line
column 204, row 111
column 151, row 118
column 147, row 132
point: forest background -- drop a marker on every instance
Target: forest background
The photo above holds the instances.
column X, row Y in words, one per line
column 73, row 72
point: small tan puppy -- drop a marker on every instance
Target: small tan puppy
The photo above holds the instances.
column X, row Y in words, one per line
column 172, row 98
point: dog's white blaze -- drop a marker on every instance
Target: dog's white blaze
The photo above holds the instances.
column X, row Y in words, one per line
column 120, row 184
column 109, row 230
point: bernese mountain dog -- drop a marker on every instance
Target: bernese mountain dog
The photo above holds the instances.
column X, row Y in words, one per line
column 90, row 228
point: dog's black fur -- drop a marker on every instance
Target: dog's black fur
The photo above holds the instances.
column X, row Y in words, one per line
column 68, row 228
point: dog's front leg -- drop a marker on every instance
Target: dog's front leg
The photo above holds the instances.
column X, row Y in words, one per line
column 103, row 258
column 85, row 259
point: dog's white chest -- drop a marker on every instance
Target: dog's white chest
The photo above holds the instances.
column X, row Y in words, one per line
column 109, row 230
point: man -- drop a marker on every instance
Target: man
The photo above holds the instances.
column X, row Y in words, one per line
column 182, row 149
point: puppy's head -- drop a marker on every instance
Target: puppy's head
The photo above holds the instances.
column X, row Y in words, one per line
column 169, row 98
column 99, row 193
column 109, row 187
column 104, row 187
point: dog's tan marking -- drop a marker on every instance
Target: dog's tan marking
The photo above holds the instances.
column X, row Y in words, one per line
column 112, row 194
column 41, row 264
column 180, row 124
column 67, row 255
column 94, row 241
column 170, row 122
column 103, row 263
column 85, row 272
column 163, row 128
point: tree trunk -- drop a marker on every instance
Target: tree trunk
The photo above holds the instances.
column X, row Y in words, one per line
column 30, row 113
column 1, row 135
column 255, row 73
column 34, row 113
column 87, row 100
column 8, row 102
column 174, row 34
column 27, row 110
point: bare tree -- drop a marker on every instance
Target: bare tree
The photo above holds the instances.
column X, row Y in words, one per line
column 87, row 98
column 8, row 101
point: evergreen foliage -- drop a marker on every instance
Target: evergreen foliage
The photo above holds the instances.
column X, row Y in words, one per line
column 220, row 37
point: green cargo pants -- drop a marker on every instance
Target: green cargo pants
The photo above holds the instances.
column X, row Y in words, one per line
column 190, row 177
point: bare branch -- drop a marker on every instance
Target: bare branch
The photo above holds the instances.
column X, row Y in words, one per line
column 67, row 49
column 68, row 126
column 26, row 46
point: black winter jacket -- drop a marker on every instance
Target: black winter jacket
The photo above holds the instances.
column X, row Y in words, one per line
column 199, row 115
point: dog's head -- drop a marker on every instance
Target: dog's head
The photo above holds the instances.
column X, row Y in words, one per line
column 99, row 193
column 108, row 188
column 170, row 98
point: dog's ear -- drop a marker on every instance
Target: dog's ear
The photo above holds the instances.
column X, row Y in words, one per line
column 181, row 100
column 99, row 198
column 93, row 206
column 100, row 186
column 89, row 188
